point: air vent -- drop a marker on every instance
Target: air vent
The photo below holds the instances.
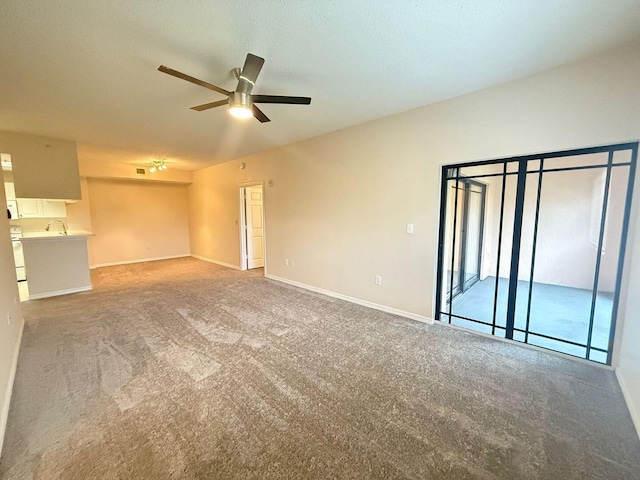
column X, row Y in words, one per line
column 141, row 171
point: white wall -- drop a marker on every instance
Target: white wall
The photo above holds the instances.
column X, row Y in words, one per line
column 11, row 322
column 339, row 202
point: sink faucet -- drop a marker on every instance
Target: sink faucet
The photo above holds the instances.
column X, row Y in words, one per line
column 64, row 229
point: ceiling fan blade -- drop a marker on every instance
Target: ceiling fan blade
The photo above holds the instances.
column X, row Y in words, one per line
column 259, row 114
column 280, row 99
column 207, row 106
column 191, row 79
column 249, row 74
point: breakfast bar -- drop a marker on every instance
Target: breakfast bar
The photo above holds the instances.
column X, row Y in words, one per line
column 56, row 263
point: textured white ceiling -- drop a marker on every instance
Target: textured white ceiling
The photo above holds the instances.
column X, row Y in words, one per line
column 86, row 70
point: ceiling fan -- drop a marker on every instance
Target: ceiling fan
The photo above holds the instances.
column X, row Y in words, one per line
column 241, row 102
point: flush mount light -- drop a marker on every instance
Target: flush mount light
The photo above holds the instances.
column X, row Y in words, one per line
column 240, row 112
column 240, row 105
column 157, row 165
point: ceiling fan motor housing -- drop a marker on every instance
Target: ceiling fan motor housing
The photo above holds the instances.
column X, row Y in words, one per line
column 240, row 99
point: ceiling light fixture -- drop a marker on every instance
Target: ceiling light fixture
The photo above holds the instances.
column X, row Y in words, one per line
column 240, row 105
column 157, row 165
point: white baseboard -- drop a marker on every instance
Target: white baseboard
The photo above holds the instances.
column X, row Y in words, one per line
column 217, row 262
column 141, row 260
column 364, row 303
column 635, row 414
column 59, row 292
column 4, row 415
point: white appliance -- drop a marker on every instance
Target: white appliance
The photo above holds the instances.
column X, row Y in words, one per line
column 5, row 161
column 18, row 256
column 12, row 206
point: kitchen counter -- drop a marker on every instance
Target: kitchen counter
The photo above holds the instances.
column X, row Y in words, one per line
column 57, row 235
column 56, row 264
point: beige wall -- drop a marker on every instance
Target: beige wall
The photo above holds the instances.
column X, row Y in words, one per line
column 629, row 337
column 79, row 215
column 11, row 321
column 331, row 213
column 134, row 221
column 96, row 168
column 339, row 203
column 565, row 254
column 42, row 167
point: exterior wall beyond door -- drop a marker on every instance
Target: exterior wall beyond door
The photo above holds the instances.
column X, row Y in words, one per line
column 566, row 248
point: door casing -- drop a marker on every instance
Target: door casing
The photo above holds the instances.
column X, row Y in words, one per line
column 242, row 224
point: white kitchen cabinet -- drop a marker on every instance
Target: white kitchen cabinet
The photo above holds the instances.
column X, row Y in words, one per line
column 9, row 191
column 30, row 207
column 54, row 208
column 40, row 208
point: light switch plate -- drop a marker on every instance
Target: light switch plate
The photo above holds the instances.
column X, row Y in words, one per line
column 409, row 227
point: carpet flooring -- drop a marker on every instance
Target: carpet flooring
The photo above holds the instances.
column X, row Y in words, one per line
column 181, row 369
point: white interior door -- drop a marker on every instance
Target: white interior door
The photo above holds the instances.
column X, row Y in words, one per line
column 255, row 226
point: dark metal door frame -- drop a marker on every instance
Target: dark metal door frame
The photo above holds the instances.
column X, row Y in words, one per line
column 515, row 249
column 452, row 173
column 468, row 183
column 463, row 284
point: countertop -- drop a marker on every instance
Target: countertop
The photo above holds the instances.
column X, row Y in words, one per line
column 57, row 235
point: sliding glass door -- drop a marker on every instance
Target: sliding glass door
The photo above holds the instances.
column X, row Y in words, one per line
column 531, row 248
column 466, row 203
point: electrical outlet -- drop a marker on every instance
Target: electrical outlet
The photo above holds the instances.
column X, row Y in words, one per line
column 378, row 280
column 148, row 246
column 286, row 262
column 291, row 263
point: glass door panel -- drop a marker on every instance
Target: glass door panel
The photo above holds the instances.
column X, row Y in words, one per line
column 473, row 233
column 565, row 262
column 453, row 234
column 610, row 239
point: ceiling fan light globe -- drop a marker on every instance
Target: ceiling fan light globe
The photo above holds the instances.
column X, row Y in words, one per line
column 240, row 111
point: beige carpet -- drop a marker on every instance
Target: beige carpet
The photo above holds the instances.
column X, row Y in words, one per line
column 184, row 369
